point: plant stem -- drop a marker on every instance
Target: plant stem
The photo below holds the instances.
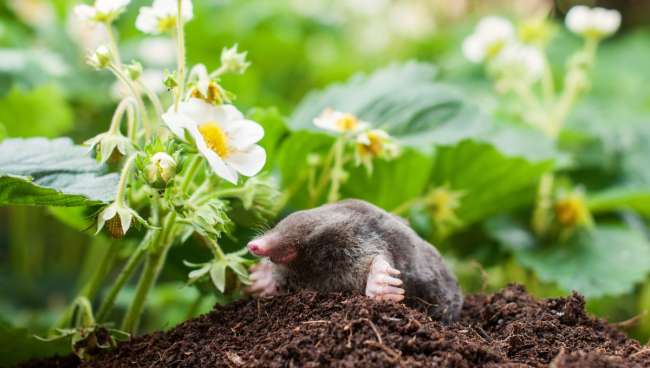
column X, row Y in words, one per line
column 191, row 171
column 124, row 276
column 181, row 54
column 337, row 172
column 217, row 73
column 142, row 110
column 126, row 103
column 90, row 289
column 112, row 44
column 541, row 216
column 152, row 268
column 124, row 178
column 153, row 97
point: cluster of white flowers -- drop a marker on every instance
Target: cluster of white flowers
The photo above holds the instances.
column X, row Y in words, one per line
column 593, row 22
column 221, row 133
column 494, row 41
column 370, row 143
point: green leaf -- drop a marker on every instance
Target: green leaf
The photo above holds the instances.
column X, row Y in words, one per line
column 492, row 182
column 409, row 172
column 621, row 198
column 605, row 261
column 402, row 99
column 291, row 161
column 39, row 171
column 40, row 112
column 218, row 275
column 18, row 344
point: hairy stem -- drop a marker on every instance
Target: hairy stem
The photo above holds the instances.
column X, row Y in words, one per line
column 142, row 110
column 193, row 167
column 152, row 268
column 126, row 105
column 181, row 54
column 124, row 179
column 337, row 172
column 124, row 276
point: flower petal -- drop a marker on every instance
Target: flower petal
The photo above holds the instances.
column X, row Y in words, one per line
column 216, row 163
column 125, row 219
column 248, row 162
column 244, row 133
column 177, row 121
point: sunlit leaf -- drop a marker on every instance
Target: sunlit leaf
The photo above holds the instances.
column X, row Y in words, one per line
column 605, row 261
column 39, row 112
column 621, row 198
column 39, row 171
column 491, row 181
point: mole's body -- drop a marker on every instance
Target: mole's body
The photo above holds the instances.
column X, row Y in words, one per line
column 354, row 246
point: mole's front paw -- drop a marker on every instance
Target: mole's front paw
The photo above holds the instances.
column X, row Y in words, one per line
column 264, row 284
column 381, row 284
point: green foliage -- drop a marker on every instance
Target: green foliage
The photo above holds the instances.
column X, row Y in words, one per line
column 18, row 344
column 621, row 198
column 491, row 181
column 403, row 99
column 605, row 261
column 55, row 172
column 410, row 173
column 39, row 112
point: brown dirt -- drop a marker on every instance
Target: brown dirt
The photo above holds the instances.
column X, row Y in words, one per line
column 506, row 329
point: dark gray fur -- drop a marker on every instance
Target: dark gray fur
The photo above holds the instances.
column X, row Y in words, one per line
column 336, row 244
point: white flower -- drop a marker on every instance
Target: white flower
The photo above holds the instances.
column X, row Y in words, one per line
column 161, row 16
column 100, row 58
column 233, row 61
column 222, row 135
column 520, row 62
column 377, row 143
column 488, row 39
column 101, row 11
column 339, row 121
column 593, row 22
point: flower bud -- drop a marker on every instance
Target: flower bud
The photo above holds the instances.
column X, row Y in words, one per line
column 134, row 70
column 233, row 61
column 101, row 58
column 160, row 170
column 170, row 80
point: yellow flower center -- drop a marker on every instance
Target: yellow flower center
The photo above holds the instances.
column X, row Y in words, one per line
column 167, row 23
column 215, row 138
column 347, row 123
column 374, row 148
column 572, row 211
column 214, row 94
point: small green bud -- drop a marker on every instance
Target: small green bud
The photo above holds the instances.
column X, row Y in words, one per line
column 170, row 80
column 100, row 58
column 233, row 61
column 134, row 70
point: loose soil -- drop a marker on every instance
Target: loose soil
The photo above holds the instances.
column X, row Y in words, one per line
column 506, row 329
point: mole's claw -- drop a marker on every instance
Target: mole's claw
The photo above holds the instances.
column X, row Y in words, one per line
column 381, row 285
column 263, row 281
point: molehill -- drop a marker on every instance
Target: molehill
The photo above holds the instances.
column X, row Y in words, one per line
column 506, row 329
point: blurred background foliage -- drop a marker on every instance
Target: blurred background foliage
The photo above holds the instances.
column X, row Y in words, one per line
column 297, row 46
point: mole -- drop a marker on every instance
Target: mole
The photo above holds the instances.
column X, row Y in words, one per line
column 353, row 246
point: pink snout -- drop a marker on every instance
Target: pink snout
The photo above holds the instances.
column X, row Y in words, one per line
column 259, row 247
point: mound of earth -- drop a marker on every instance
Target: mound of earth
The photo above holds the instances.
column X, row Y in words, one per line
column 506, row 329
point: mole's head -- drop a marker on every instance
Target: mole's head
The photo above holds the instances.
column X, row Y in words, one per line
column 312, row 234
